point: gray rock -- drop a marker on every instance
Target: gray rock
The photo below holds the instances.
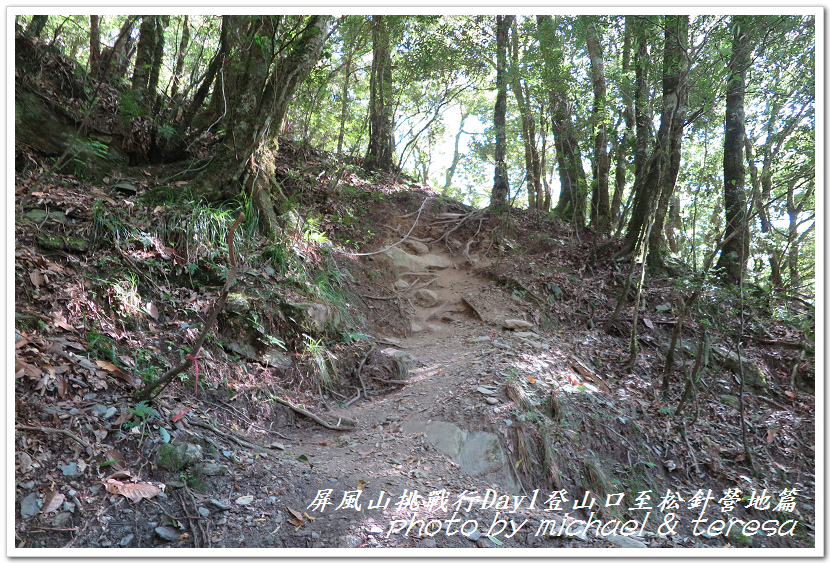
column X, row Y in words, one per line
column 166, row 533
column 415, row 328
column 276, row 359
column 426, row 297
column 516, row 324
column 428, row 543
column 98, row 410
column 416, row 247
column 474, row 535
column 403, row 260
column 70, row 469
column 30, row 505
column 625, row 541
column 126, row 540
column 401, row 285
column 219, row 504
column 492, row 400
column 210, row 469
column 348, row 541
column 486, row 391
column 480, row 339
column 237, row 303
column 110, row 412
column 203, row 512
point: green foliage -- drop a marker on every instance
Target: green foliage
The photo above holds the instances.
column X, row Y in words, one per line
column 141, row 412
column 107, row 225
column 128, row 105
column 323, row 361
column 101, row 347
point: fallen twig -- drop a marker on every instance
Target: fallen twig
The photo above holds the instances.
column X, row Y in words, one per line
column 231, row 437
column 315, row 418
column 58, row 430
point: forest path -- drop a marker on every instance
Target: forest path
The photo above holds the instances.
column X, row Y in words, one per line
column 444, row 428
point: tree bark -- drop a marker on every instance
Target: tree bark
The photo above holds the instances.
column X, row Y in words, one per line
column 264, row 83
column 653, row 191
column 642, row 109
column 533, row 167
column 177, row 72
column 380, row 154
column 344, row 101
column 35, row 27
column 735, row 252
column 116, row 59
column 600, row 211
column 501, row 185
column 144, row 60
column 158, row 59
column 94, row 45
column 573, row 184
column 456, row 155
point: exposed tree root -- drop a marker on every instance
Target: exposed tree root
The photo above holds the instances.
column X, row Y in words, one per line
column 317, row 419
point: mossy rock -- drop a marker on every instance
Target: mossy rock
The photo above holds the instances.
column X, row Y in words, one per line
column 730, row 401
column 176, row 457
column 57, row 242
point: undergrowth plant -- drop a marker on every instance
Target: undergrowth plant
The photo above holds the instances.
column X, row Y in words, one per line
column 323, row 361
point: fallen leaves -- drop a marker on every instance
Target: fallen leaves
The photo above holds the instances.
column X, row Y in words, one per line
column 133, row 491
column 116, row 371
column 52, row 501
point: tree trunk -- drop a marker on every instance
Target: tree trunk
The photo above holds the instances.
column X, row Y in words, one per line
column 35, row 27
column 642, row 110
column 381, row 121
column 456, row 155
column 177, row 73
column 263, row 86
column 653, row 191
column 573, row 184
column 344, row 101
column 175, row 146
column 158, row 59
column 501, row 185
column 735, row 253
column 533, row 167
column 144, row 61
column 94, row 45
column 600, row 211
column 116, row 59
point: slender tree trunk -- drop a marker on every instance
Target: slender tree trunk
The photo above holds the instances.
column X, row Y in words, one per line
column 653, row 191
column 600, row 211
column 158, row 59
column 381, row 121
column 735, row 253
column 456, row 155
column 177, row 73
column 175, row 146
column 532, row 163
column 94, row 45
column 642, row 109
column 116, row 59
column 501, row 185
column 344, row 101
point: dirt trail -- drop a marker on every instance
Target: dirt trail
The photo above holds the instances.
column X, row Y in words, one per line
column 440, row 432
